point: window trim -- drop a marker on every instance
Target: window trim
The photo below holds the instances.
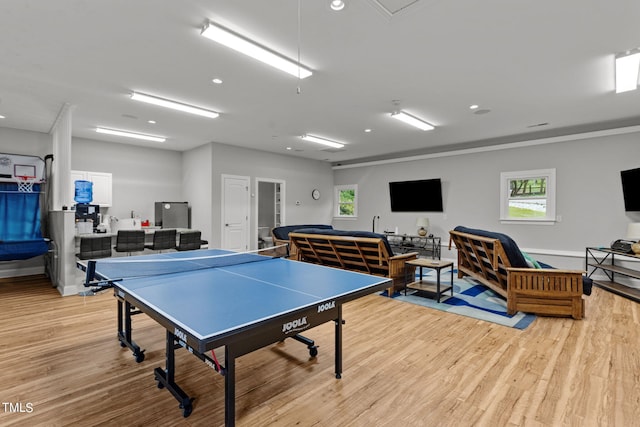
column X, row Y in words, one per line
column 336, row 201
column 549, row 175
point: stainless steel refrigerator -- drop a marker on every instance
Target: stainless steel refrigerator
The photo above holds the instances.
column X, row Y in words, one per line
column 172, row 214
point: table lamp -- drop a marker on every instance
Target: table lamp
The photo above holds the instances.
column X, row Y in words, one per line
column 633, row 233
column 423, row 223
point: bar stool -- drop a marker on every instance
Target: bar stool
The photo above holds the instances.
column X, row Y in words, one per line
column 129, row 241
column 162, row 240
column 189, row 240
column 95, row 247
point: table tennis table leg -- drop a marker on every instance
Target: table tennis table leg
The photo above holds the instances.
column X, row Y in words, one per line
column 166, row 377
column 229, row 387
column 125, row 310
column 338, row 344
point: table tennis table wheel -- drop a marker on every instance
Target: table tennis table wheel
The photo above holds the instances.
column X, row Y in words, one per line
column 313, row 351
column 139, row 356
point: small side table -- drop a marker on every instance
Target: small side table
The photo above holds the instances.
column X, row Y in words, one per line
column 424, row 286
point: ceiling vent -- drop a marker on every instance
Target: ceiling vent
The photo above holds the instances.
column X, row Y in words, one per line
column 391, row 8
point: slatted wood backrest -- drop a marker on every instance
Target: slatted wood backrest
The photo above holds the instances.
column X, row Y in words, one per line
column 483, row 256
column 364, row 254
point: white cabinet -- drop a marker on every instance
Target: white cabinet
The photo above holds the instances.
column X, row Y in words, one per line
column 101, row 186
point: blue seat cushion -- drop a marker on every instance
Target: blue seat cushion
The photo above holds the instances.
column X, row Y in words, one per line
column 282, row 232
column 24, row 249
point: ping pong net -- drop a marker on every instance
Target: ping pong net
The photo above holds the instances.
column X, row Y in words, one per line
column 103, row 272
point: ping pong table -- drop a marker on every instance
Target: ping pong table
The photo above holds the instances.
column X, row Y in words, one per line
column 253, row 302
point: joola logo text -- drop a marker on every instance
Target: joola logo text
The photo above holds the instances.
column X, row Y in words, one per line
column 180, row 335
column 295, row 326
column 326, row 306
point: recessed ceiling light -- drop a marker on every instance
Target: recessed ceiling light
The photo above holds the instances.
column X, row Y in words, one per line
column 336, row 4
column 2, row 117
column 153, row 122
column 368, row 130
column 289, row 148
column 217, row 81
column 128, row 134
column 473, row 107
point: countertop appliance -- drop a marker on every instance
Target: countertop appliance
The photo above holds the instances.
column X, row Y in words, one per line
column 172, row 214
column 88, row 213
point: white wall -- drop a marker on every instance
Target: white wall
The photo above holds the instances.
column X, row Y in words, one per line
column 15, row 141
column 589, row 194
column 196, row 188
column 141, row 176
column 301, row 177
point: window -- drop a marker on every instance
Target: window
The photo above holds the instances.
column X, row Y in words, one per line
column 346, row 201
column 528, row 196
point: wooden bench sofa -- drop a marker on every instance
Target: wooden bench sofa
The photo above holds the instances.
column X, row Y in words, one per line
column 495, row 260
column 280, row 235
column 352, row 250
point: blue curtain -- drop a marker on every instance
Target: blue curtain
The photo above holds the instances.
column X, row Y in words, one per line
column 20, row 235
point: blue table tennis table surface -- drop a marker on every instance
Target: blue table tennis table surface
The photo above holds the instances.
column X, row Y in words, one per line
column 213, row 301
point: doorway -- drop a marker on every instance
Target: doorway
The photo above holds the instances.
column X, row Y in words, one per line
column 269, row 209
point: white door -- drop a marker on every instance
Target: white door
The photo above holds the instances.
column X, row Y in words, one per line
column 235, row 212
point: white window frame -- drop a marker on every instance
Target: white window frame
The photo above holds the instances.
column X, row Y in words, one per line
column 506, row 177
column 336, row 200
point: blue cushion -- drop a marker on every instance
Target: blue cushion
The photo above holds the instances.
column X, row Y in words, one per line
column 25, row 249
column 282, row 232
column 350, row 233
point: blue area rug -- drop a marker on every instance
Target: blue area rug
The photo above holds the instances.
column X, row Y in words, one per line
column 471, row 299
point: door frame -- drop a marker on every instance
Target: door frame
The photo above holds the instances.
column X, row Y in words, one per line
column 283, row 184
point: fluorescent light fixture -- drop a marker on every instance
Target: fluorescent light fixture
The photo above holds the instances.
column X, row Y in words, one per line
column 155, row 100
column 411, row 120
column 131, row 134
column 2, row 117
column 239, row 43
column 627, row 67
column 323, row 141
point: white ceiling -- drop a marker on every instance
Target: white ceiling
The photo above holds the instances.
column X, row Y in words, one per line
column 528, row 62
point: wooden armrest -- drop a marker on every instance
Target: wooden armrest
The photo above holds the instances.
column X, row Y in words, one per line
column 543, row 271
column 407, row 256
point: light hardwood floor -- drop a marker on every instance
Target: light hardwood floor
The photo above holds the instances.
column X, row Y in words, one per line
column 404, row 365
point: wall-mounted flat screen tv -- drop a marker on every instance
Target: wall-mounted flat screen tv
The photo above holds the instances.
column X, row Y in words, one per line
column 423, row 195
column 631, row 189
